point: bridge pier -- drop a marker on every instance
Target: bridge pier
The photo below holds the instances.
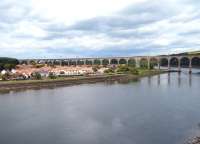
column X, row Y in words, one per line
column 109, row 61
column 190, row 66
column 159, row 65
column 179, row 65
column 101, row 61
column 137, row 62
column 149, row 64
column 169, row 68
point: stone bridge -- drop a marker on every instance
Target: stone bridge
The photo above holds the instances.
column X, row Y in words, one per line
column 138, row 61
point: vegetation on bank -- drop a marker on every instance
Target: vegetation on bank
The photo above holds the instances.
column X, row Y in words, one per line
column 126, row 69
column 8, row 63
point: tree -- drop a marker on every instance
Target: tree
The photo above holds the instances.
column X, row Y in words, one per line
column 8, row 63
column 9, row 66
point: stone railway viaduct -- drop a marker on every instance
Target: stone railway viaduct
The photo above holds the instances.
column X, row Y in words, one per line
column 169, row 61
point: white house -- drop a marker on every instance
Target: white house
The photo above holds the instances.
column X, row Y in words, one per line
column 3, row 72
column 13, row 71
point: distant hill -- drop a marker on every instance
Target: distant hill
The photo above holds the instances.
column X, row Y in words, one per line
column 187, row 53
column 194, row 53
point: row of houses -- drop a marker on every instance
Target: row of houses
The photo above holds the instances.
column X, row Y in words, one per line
column 18, row 74
column 64, row 72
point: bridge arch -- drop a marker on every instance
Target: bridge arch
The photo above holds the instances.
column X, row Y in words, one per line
column 174, row 62
column 143, row 63
column 80, row 62
column 154, row 62
column 97, row 62
column 57, row 62
column 41, row 61
column 65, row 62
column 122, row 61
column 195, row 62
column 49, row 62
column 72, row 63
column 164, row 61
column 114, row 61
column 105, row 62
column 132, row 62
column 88, row 62
column 24, row 62
column 185, row 62
column 32, row 62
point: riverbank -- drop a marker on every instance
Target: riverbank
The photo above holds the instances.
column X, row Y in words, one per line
column 7, row 86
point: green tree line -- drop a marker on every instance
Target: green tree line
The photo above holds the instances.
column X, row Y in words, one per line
column 8, row 63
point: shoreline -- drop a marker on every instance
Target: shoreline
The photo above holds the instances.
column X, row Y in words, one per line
column 7, row 86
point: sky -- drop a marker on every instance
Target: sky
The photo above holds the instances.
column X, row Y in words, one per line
column 98, row 28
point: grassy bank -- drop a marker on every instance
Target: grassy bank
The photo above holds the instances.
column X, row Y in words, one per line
column 64, row 81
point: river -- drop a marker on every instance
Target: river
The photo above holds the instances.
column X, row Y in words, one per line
column 162, row 109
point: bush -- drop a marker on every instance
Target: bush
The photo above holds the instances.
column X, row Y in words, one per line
column 109, row 71
column 6, row 76
column 52, row 75
column 123, row 69
column 134, row 71
column 127, row 69
column 36, row 76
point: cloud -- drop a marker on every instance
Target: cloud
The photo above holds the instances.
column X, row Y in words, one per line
column 59, row 29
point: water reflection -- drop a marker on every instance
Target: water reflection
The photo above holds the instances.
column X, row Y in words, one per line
column 169, row 78
column 180, row 79
column 149, row 80
column 159, row 81
column 190, row 80
column 122, row 81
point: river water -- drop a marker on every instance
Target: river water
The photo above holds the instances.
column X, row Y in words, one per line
column 162, row 109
